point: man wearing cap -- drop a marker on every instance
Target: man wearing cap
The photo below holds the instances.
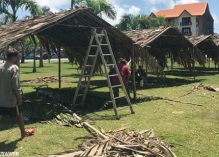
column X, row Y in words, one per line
column 10, row 97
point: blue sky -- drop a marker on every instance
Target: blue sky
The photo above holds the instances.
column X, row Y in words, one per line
column 134, row 7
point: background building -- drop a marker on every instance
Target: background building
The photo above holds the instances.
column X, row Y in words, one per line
column 191, row 19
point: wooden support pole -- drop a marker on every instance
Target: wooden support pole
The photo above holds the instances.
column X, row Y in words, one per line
column 146, row 50
column 41, row 56
column 72, row 4
column 218, row 58
column 172, row 60
column 59, row 72
column 133, row 72
column 193, row 62
column 34, row 54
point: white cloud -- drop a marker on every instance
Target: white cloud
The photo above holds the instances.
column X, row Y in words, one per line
column 186, row 1
column 134, row 10
column 167, row 3
column 170, row 3
column 55, row 5
column 154, row 9
column 120, row 11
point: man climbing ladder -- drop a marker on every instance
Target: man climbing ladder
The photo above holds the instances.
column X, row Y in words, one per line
column 100, row 42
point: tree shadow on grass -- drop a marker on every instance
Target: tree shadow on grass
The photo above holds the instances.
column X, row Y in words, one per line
column 155, row 82
column 40, row 108
column 200, row 71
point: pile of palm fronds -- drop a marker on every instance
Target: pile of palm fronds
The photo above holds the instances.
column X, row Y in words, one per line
column 201, row 87
column 50, row 79
column 66, row 119
column 120, row 143
column 126, row 144
column 205, row 87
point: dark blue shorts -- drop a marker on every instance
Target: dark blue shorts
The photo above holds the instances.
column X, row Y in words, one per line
column 12, row 112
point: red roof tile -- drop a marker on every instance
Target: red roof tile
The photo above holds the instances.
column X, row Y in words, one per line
column 195, row 9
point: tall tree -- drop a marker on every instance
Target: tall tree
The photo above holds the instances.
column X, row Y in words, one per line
column 44, row 11
column 99, row 7
column 9, row 8
column 133, row 22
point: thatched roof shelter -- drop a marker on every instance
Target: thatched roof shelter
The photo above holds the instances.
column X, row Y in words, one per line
column 165, row 42
column 206, row 43
column 68, row 29
column 162, row 37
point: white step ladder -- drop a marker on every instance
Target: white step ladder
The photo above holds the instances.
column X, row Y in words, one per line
column 96, row 43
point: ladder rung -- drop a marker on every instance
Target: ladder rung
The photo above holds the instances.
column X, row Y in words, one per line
column 107, row 54
column 85, row 86
column 94, row 45
column 79, row 95
column 86, row 75
column 110, row 65
column 89, row 65
column 104, row 44
column 119, row 97
column 92, row 56
column 100, row 34
column 113, row 75
column 117, row 86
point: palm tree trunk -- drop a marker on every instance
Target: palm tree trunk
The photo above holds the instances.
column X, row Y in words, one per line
column 14, row 17
column 34, row 53
column 22, row 52
column 72, row 4
column 22, row 57
column 41, row 57
column 34, row 60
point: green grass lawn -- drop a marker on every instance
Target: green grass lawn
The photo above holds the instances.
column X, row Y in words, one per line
column 192, row 130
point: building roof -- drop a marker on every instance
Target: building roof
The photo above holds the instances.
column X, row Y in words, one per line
column 195, row 9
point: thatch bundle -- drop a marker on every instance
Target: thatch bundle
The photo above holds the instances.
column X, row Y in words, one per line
column 206, row 44
column 166, row 42
column 70, row 30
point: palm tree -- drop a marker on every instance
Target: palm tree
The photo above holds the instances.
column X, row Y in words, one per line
column 44, row 11
column 9, row 8
column 99, row 7
column 131, row 22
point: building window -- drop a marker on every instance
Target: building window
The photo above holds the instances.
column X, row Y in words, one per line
column 186, row 21
column 186, row 31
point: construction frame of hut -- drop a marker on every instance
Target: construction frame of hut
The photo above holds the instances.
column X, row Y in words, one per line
column 97, row 47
